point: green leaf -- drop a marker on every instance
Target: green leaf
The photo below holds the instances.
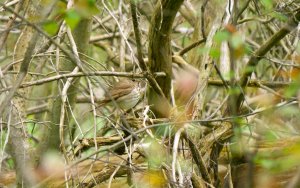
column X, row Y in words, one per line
column 234, row 90
column 221, row 36
column 267, row 163
column 248, row 49
column 270, row 136
column 279, row 16
column 292, row 89
column 91, row 2
column 268, row 4
column 154, row 152
column 72, row 18
column 86, row 8
column 202, row 50
column 10, row 163
column 50, row 27
column 236, row 41
column 215, row 53
column 250, row 68
column 30, row 125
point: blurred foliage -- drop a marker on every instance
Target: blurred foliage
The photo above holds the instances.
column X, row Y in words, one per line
column 265, row 136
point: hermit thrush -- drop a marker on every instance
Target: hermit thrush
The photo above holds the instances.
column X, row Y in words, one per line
column 124, row 94
column 186, row 79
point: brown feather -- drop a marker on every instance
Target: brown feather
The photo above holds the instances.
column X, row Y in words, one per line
column 119, row 89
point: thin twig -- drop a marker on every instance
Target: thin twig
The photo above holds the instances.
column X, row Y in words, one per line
column 80, row 74
column 190, row 47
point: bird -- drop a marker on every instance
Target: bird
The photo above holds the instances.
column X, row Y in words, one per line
column 185, row 84
column 124, row 94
